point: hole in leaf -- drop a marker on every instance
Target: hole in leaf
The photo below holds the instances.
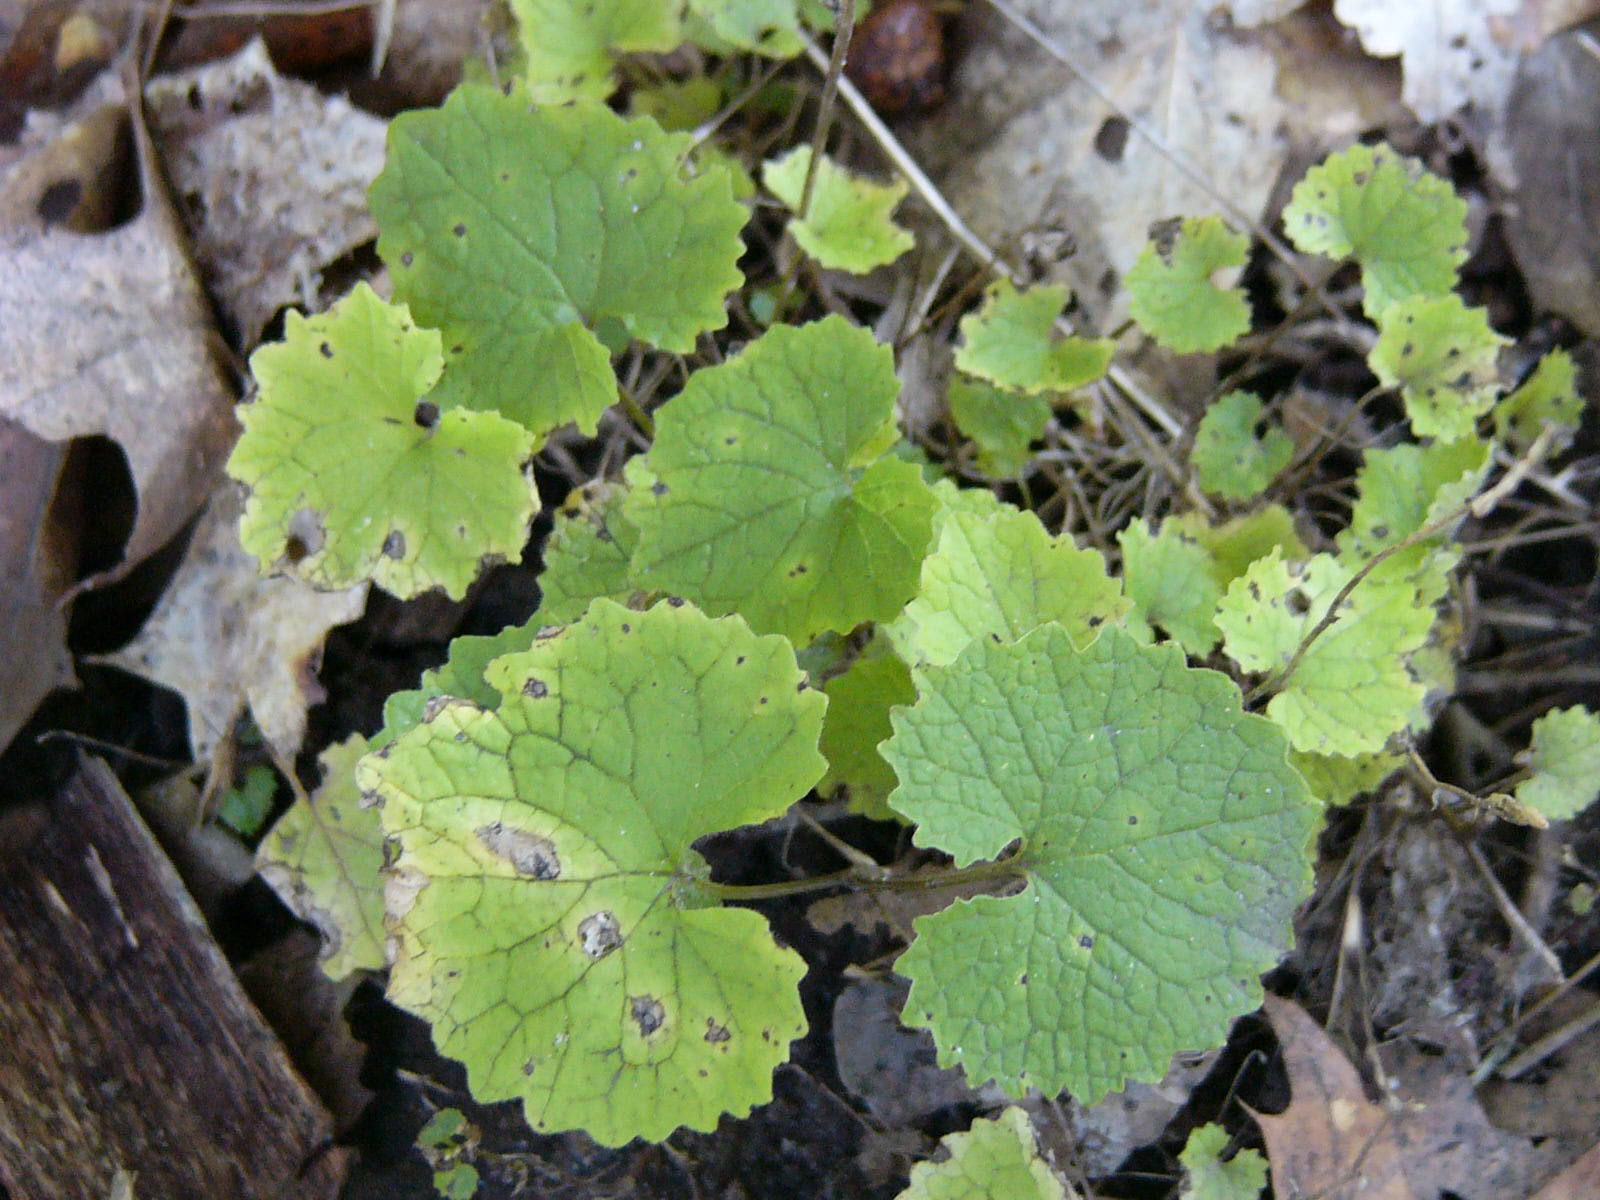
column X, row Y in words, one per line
column 394, row 546
column 647, row 1013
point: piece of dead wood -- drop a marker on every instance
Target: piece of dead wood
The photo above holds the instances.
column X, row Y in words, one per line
column 129, row 1046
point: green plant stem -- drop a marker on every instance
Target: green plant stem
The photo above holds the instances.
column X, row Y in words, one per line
column 637, row 414
column 1000, row 869
column 1477, row 506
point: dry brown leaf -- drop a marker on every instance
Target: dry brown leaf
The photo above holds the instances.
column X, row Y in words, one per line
column 1021, row 145
column 273, row 175
column 224, row 637
column 1454, row 53
column 109, row 333
column 1580, row 1181
column 1428, row 1140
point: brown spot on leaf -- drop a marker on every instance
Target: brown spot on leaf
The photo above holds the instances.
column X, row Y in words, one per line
column 394, row 546
column 648, row 1014
column 535, row 689
column 600, row 933
column 426, row 414
column 716, row 1034
column 528, row 853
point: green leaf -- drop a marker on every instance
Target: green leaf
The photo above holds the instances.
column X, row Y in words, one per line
column 994, row 1160
column 1231, row 460
column 1010, row 342
column 351, row 478
column 571, row 45
column 442, row 1129
column 1548, row 396
column 245, row 808
column 461, row 676
column 324, row 858
column 1240, row 1178
column 1174, row 293
column 1352, row 690
column 772, row 497
column 1441, row 355
column 456, row 1182
column 1162, row 839
column 1406, row 227
column 1002, row 423
column 677, row 105
column 859, row 701
column 848, row 226
column 769, row 27
column 588, row 553
column 549, row 916
column 999, row 576
column 1171, row 577
column 1565, row 760
column 1178, row 573
column 517, row 230
column 1335, row 779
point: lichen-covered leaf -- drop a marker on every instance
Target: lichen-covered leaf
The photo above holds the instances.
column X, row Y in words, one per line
column 546, row 900
column 999, row 576
column 1564, row 758
column 324, row 858
column 351, row 478
column 1011, row 342
column 1352, row 690
column 1407, row 228
column 1161, row 839
column 772, row 496
column 516, row 230
column 848, row 226
column 1441, row 355
column 994, row 1160
column 1230, row 458
column 1174, row 292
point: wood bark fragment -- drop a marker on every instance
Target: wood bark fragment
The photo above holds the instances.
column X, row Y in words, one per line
column 128, row 1044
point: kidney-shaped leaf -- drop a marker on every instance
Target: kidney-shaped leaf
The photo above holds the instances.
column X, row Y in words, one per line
column 545, row 896
column 1162, row 840
column 771, row 495
column 516, row 230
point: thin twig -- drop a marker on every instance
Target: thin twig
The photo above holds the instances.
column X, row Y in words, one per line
column 844, row 26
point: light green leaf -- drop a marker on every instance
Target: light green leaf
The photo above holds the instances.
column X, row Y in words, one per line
column 848, row 226
column 1548, row 395
column 1352, row 690
column 772, row 497
column 1406, row 227
column 994, row 1160
column 1240, row 1178
column 677, row 105
column 549, row 917
column 1002, row 423
column 351, row 478
column 1010, row 341
column 1176, row 574
column 1163, row 843
column 1174, row 292
column 324, row 858
column 859, row 701
column 1441, row 355
column 1335, row 779
column 769, row 27
column 999, row 576
column 571, row 45
column 1565, row 760
column 461, row 677
column 1402, row 489
column 516, row 230
column 1171, row 577
column 456, row 1182
column 588, row 553
column 1230, row 459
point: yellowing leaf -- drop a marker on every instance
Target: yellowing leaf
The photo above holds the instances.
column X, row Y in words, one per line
column 1565, row 762
column 848, row 225
column 1548, row 396
column 1441, row 355
column 1010, row 341
column 994, row 1160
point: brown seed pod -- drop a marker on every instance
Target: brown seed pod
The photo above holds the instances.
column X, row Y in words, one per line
column 897, row 57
